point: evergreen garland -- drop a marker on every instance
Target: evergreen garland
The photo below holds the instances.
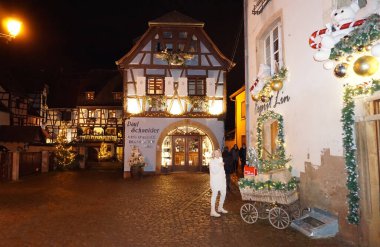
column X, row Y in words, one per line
column 277, row 160
column 269, row 185
column 363, row 35
column 348, row 121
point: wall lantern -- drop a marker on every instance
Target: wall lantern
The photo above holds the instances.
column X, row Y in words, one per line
column 216, row 107
column 133, row 106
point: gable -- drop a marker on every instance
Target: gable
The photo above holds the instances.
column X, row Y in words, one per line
column 175, row 39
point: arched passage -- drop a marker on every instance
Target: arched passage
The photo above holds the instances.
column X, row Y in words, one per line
column 184, row 133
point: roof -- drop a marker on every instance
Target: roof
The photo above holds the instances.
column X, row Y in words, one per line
column 104, row 83
column 27, row 134
column 175, row 18
column 236, row 93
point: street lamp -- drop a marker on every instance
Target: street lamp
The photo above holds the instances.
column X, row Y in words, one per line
column 13, row 27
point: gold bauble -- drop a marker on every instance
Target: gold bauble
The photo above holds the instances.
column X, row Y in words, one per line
column 366, row 66
column 276, row 85
column 255, row 97
column 340, row 70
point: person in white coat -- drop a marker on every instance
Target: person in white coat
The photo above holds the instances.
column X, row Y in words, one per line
column 217, row 182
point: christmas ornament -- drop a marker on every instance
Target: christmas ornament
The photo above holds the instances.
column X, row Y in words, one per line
column 368, row 47
column 366, row 66
column 276, row 85
column 255, row 97
column 340, row 70
column 375, row 51
column 264, row 98
column 360, row 48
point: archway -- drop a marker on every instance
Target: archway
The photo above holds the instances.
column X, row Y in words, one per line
column 188, row 145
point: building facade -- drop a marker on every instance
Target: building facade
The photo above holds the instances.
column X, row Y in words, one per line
column 240, row 114
column 310, row 102
column 174, row 95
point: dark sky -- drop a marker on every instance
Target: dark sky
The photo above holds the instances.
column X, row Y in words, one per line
column 64, row 35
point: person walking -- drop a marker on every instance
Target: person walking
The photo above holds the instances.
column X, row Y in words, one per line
column 243, row 157
column 235, row 158
column 217, row 183
column 227, row 160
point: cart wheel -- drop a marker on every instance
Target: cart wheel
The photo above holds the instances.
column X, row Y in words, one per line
column 249, row 213
column 263, row 209
column 279, row 218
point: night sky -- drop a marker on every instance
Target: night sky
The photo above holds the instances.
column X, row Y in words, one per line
column 75, row 36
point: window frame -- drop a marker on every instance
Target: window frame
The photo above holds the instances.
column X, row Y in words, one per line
column 242, row 106
column 90, row 95
column 196, row 78
column 155, row 85
column 269, row 34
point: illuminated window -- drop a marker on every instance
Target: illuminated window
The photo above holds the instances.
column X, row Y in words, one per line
column 91, row 113
column 112, row 113
column 90, row 95
column 242, row 110
column 196, row 86
column 155, row 85
column 117, row 96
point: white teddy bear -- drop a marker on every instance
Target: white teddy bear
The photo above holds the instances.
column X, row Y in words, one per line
column 334, row 34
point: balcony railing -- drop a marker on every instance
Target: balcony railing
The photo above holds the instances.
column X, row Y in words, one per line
column 97, row 138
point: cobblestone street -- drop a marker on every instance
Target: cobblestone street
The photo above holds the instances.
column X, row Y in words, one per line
column 101, row 209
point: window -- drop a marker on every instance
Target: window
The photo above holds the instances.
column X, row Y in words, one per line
column 273, row 49
column 167, row 35
column 169, row 46
column 117, row 96
column 112, row 114
column 242, row 107
column 90, row 95
column 182, row 35
column 91, row 113
column 155, row 85
column 196, row 86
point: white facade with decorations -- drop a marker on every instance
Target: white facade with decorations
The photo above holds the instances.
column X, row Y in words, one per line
column 174, row 95
column 279, row 34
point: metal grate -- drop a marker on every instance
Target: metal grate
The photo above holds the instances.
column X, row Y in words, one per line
column 259, row 6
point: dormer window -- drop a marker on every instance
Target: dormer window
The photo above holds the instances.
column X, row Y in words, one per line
column 117, row 96
column 90, row 95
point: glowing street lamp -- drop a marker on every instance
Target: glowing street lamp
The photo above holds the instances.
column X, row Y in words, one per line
column 13, row 27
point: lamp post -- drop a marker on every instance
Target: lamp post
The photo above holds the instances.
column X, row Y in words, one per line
column 13, row 27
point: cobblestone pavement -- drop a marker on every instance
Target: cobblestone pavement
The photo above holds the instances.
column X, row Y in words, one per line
column 101, row 209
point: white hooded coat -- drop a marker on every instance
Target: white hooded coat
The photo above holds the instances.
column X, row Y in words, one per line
column 217, row 174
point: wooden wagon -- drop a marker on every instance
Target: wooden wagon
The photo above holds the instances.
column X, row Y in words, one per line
column 280, row 207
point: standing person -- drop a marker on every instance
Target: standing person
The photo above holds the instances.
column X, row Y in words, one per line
column 235, row 158
column 217, row 182
column 227, row 159
column 243, row 157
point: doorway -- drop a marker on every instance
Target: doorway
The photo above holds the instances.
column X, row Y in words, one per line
column 186, row 153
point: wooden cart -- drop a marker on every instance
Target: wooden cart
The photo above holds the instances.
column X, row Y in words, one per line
column 280, row 207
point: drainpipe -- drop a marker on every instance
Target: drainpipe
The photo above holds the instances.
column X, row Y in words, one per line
column 247, row 98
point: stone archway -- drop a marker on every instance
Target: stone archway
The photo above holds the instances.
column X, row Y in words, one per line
column 185, row 122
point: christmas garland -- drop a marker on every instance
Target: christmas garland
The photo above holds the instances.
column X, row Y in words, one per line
column 362, row 36
column 269, row 185
column 349, row 145
column 277, row 160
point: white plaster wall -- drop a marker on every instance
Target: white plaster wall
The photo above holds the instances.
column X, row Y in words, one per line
column 312, row 116
column 147, row 142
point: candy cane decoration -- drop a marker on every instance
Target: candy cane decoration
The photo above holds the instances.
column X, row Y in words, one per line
column 314, row 45
column 254, row 85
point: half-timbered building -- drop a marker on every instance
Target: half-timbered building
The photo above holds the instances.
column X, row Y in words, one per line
column 96, row 114
column 174, row 81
